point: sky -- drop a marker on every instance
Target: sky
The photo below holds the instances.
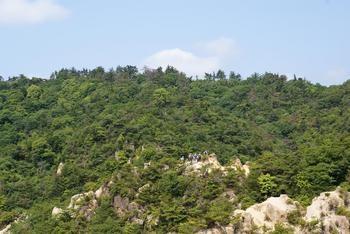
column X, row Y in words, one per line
column 309, row 38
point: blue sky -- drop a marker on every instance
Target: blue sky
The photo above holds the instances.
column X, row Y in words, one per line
column 308, row 38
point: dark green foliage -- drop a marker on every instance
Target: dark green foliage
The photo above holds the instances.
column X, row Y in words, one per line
column 295, row 217
column 133, row 128
column 280, row 229
column 219, row 211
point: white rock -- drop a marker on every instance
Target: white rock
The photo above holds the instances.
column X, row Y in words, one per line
column 246, row 170
column 56, row 211
column 267, row 214
column 99, row 192
column 103, row 190
column 77, row 200
column 209, row 164
column 137, row 221
column 335, row 223
column 144, row 188
column 326, row 203
column 6, row 230
column 60, row 169
column 264, row 216
column 84, row 203
column 237, row 165
column 324, row 208
column 146, row 165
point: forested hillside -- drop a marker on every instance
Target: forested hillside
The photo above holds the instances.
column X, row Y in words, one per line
column 135, row 128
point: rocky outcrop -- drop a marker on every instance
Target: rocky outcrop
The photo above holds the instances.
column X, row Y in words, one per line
column 83, row 204
column 56, row 212
column 147, row 165
column 326, row 203
column 151, row 221
column 264, row 216
column 124, row 207
column 328, row 213
column 103, row 190
column 325, row 209
column 60, row 169
column 238, row 166
column 229, row 195
column 207, row 163
column 204, row 165
column 259, row 218
column 143, row 189
column 6, row 230
column 334, row 224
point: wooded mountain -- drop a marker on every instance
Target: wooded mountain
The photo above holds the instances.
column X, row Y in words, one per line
column 133, row 131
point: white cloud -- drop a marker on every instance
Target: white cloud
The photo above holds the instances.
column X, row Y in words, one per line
column 193, row 64
column 221, row 47
column 30, row 11
column 184, row 61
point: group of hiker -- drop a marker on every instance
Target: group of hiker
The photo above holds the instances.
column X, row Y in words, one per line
column 194, row 157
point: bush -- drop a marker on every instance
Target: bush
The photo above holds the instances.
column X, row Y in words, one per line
column 7, row 218
column 219, row 211
column 280, row 229
column 294, row 217
column 343, row 211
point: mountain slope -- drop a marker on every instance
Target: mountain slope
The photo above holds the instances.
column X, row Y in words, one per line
column 111, row 125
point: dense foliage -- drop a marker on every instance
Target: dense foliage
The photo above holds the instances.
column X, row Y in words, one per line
column 294, row 133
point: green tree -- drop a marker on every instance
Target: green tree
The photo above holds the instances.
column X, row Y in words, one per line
column 34, row 92
column 267, row 184
column 219, row 211
column 161, row 97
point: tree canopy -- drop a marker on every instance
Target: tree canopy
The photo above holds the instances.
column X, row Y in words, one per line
column 100, row 124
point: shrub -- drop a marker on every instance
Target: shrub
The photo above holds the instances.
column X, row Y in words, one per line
column 294, row 217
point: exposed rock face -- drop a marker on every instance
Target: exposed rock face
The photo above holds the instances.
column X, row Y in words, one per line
column 103, row 190
column 229, row 195
column 146, row 165
column 124, row 207
column 152, row 221
column 237, row 165
column 206, row 165
column 259, row 217
column 84, row 204
column 334, row 224
column 324, row 209
column 326, row 203
column 266, row 214
column 57, row 212
column 142, row 189
column 121, row 205
column 6, row 230
column 60, row 169
column 262, row 217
